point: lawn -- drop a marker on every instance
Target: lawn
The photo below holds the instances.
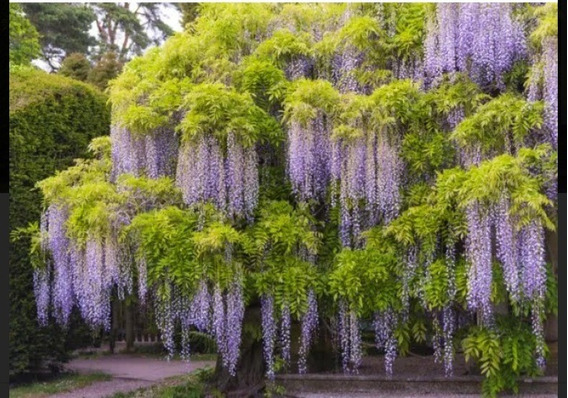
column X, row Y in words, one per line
column 194, row 385
column 62, row 383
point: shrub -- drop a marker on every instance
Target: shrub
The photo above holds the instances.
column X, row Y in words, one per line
column 52, row 120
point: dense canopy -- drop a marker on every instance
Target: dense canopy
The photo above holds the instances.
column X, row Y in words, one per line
column 392, row 163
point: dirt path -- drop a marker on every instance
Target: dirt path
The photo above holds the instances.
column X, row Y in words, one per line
column 129, row 373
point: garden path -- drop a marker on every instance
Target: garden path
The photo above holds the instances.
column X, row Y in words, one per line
column 129, row 373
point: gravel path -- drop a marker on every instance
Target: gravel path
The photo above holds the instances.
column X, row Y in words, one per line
column 129, row 373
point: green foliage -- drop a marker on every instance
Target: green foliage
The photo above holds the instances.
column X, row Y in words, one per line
column 394, row 105
column 361, row 32
column 305, row 98
column 218, row 110
column 52, row 119
column 503, row 354
column 24, row 39
column 366, row 280
column 547, row 23
column 283, row 46
column 499, row 125
column 264, row 81
column 189, row 11
column 64, row 28
column 75, row 66
column 274, row 246
column 406, row 43
column 105, row 69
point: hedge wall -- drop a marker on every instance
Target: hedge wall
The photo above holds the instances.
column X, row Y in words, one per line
column 52, row 120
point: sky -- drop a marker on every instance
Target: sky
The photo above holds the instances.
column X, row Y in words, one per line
column 171, row 16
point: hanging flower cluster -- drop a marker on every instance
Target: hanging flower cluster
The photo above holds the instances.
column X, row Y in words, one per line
column 81, row 275
column 230, row 182
column 385, row 323
column 285, row 325
column 520, row 253
column 479, row 254
column 350, row 339
column 268, row 333
column 308, row 158
column 550, row 95
column 151, row 154
column 482, row 39
column 308, row 328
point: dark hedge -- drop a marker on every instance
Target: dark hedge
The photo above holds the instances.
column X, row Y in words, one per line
column 52, row 120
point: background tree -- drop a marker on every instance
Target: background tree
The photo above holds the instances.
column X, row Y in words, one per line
column 107, row 68
column 189, row 11
column 24, row 38
column 127, row 29
column 64, row 29
column 76, row 66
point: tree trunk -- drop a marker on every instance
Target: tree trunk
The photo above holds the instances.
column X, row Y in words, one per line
column 129, row 327
column 114, row 325
column 249, row 380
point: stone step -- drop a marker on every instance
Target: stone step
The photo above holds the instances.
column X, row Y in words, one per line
column 352, row 385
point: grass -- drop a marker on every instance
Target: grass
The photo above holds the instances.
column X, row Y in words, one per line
column 194, row 385
column 61, row 383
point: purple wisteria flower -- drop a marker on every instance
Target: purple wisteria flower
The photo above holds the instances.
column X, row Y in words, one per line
column 308, row 327
column 268, row 333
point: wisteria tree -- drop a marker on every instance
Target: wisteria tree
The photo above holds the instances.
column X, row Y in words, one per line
column 279, row 176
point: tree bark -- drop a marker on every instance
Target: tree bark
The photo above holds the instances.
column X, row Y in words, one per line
column 128, row 315
column 114, row 325
column 249, row 380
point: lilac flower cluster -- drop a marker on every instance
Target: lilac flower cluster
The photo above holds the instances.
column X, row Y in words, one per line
column 507, row 248
column 218, row 323
column 550, row 91
column 531, row 260
column 478, row 251
column 343, row 66
column 285, row 325
column 449, row 324
column 42, row 292
column 298, row 67
column 437, row 339
column 220, row 315
column 408, row 274
column 152, row 154
column 521, row 254
column 309, row 326
column 58, row 244
column 366, row 169
column 199, row 308
column 235, row 313
column 164, row 310
column 82, row 276
column 268, row 333
column 350, row 339
column 481, row 39
column 385, row 323
column 309, row 158
column 230, row 183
